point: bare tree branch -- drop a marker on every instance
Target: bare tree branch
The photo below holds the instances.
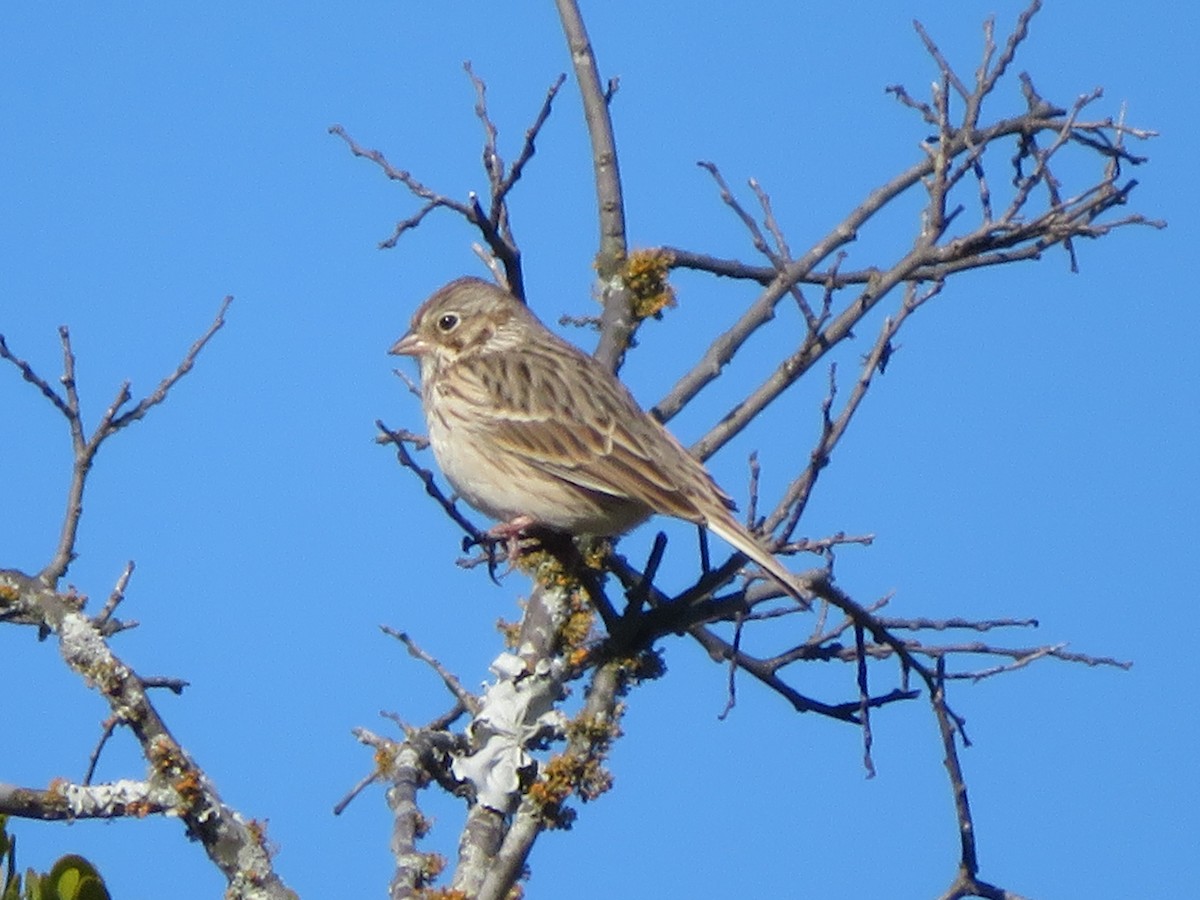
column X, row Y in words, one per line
column 494, row 224
column 991, row 243
column 176, row 785
column 238, row 847
column 67, row 802
column 609, row 201
column 113, row 420
column 468, row 700
column 617, row 323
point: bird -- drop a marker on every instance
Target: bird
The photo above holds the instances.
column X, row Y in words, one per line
column 531, row 431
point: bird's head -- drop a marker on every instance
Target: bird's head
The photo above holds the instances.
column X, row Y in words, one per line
column 466, row 316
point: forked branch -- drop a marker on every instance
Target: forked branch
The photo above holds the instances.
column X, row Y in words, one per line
column 114, row 419
column 493, row 224
column 175, row 784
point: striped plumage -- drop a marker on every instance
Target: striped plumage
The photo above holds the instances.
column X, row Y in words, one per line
column 527, row 427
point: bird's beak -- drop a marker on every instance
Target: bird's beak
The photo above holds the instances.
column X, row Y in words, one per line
column 409, row 345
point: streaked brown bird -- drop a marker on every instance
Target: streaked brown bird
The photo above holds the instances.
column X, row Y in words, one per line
column 530, row 430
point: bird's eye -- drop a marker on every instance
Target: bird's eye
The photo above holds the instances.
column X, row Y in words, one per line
column 448, row 322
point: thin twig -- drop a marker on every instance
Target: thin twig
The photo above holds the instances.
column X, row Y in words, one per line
column 115, row 598
column 110, row 725
column 468, row 700
column 398, row 439
column 113, row 420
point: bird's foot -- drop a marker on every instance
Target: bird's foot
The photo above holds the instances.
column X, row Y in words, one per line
column 513, row 535
column 510, row 533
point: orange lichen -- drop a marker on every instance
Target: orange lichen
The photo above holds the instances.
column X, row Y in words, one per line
column 440, row 894
column 645, row 276
column 509, row 631
column 385, row 758
column 433, row 864
column 577, row 657
column 553, row 788
column 578, row 625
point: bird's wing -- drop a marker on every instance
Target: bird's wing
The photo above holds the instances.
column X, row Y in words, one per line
column 584, row 427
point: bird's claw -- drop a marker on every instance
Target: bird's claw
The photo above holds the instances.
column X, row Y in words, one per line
column 510, row 534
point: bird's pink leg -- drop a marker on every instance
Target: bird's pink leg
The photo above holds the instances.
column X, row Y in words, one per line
column 510, row 532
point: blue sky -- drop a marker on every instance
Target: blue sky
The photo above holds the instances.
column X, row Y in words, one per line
column 1030, row 452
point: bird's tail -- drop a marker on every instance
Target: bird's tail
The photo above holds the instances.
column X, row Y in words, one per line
column 742, row 540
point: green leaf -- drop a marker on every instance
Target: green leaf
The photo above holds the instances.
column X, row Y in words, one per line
column 74, row 878
column 33, row 886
